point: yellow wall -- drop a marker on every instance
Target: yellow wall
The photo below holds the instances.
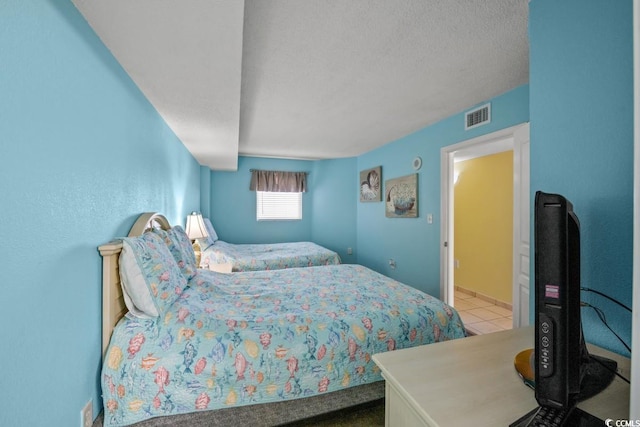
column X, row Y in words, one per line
column 483, row 225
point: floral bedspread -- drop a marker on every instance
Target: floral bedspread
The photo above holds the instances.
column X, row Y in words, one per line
column 276, row 256
column 265, row 336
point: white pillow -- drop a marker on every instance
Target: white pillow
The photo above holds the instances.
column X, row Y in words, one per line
column 134, row 286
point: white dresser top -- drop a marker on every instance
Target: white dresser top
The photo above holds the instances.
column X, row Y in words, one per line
column 474, row 379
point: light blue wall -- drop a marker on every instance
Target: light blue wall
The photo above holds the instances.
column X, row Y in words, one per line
column 205, row 191
column 82, row 153
column 335, row 195
column 233, row 206
column 581, row 82
column 328, row 211
column 413, row 243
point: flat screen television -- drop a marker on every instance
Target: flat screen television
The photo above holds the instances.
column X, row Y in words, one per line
column 565, row 372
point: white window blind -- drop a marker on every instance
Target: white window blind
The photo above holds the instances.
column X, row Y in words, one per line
column 273, row 206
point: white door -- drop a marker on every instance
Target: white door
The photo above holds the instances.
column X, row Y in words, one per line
column 518, row 137
column 521, row 228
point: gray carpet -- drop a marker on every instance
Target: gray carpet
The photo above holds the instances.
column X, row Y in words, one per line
column 365, row 415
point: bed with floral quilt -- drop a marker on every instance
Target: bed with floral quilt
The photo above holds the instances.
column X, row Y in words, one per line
column 273, row 256
column 198, row 340
column 254, row 256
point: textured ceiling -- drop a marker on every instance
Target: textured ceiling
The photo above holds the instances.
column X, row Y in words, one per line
column 311, row 79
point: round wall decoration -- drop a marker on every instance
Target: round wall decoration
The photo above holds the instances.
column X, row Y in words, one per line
column 417, row 163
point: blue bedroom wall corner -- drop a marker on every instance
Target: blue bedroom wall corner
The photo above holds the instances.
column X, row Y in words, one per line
column 335, row 192
column 205, row 191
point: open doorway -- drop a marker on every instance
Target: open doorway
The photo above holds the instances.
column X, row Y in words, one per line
column 514, row 140
column 483, row 238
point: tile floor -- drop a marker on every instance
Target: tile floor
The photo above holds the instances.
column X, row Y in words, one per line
column 481, row 316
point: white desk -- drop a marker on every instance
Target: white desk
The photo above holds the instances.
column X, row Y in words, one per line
column 472, row 381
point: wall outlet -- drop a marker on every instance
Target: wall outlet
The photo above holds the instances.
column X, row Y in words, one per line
column 392, row 263
column 86, row 415
column 349, row 251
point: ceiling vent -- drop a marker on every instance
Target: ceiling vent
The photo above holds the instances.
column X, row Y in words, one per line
column 477, row 117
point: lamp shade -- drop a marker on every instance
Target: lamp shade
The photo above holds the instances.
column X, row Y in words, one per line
column 195, row 226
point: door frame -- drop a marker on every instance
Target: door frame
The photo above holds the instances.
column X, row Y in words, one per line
column 494, row 142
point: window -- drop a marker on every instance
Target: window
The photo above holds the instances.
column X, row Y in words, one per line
column 273, row 206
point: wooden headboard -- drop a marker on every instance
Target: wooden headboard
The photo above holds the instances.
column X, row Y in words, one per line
column 113, row 306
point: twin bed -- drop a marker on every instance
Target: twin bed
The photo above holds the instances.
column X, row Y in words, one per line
column 274, row 256
column 257, row 257
column 257, row 347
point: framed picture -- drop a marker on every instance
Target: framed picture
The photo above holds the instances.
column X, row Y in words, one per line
column 371, row 185
column 401, row 196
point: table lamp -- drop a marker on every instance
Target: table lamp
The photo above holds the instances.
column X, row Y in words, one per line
column 196, row 230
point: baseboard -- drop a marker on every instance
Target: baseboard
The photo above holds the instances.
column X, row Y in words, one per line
column 483, row 297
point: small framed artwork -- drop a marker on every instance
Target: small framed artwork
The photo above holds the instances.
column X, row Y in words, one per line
column 401, row 196
column 370, row 185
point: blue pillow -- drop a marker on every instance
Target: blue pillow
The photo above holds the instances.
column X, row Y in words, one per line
column 180, row 247
column 211, row 238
